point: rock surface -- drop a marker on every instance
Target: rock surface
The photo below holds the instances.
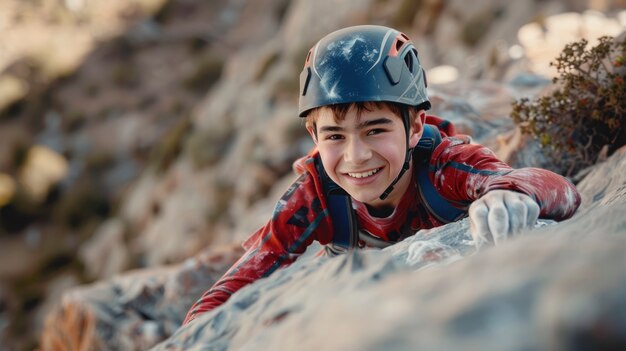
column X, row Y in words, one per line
column 560, row 287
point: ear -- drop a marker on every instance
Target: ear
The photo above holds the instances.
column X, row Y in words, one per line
column 312, row 129
column 417, row 128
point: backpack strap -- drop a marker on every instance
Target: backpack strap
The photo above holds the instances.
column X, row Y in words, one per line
column 343, row 218
column 437, row 205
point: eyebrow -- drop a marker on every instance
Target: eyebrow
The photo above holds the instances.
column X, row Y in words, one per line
column 370, row 123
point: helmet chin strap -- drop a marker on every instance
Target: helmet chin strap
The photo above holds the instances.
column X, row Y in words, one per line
column 407, row 157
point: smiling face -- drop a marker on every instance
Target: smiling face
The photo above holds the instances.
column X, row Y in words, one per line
column 364, row 153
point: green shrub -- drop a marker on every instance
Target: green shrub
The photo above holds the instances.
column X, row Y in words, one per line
column 584, row 117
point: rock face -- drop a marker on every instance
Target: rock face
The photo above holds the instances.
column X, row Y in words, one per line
column 558, row 287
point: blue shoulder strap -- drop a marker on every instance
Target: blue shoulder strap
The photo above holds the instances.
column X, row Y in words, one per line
column 438, row 206
column 342, row 216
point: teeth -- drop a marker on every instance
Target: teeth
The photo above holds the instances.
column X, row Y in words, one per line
column 364, row 174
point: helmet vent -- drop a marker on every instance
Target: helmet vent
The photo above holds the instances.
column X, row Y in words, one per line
column 399, row 44
column 400, row 41
column 409, row 60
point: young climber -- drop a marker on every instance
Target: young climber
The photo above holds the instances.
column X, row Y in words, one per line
column 382, row 168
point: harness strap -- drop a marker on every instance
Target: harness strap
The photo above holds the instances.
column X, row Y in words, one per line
column 343, row 218
column 437, row 205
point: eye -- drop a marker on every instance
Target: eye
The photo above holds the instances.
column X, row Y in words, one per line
column 375, row 131
column 334, row 137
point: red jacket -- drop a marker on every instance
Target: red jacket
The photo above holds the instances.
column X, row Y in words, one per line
column 461, row 172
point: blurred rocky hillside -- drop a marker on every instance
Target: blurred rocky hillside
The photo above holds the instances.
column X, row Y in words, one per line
column 136, row 133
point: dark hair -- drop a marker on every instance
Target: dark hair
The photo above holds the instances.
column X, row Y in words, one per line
column 340, row 110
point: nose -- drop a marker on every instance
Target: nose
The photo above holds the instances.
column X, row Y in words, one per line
column 357, row 151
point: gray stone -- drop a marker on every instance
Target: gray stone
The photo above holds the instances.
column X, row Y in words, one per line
column 559, row 287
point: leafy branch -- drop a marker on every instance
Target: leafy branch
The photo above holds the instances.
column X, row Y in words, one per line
column 586, row 115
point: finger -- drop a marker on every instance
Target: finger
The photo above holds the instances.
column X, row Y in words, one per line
column 517, row 212
column 479, row 227
column 497, row 219
column 533, row 211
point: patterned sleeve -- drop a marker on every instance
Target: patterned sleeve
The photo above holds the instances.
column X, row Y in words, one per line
column 463, row 172
column 298, row 219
